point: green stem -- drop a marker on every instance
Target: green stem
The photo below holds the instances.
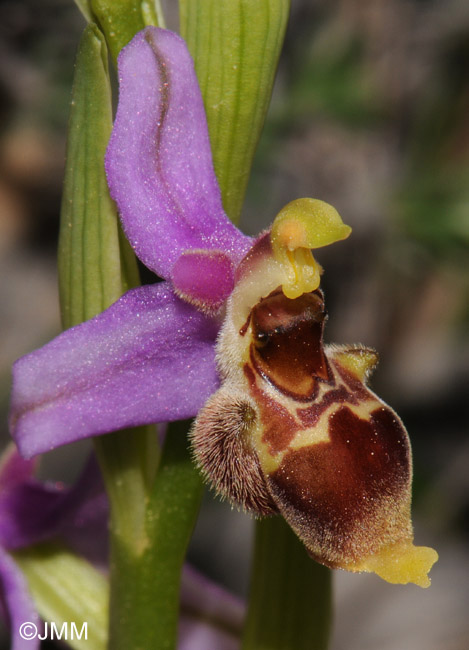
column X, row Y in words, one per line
column 128, row 460
column 290, row 600
column 145, row 589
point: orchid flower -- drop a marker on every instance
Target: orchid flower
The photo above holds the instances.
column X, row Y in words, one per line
column 289, row 424
column 33, row 512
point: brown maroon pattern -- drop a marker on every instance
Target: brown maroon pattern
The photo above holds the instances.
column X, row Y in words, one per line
column 279, row 427
column 334, row 490
column 287, row 343
column 261, row 249
column 310, row 416
column 356, row 386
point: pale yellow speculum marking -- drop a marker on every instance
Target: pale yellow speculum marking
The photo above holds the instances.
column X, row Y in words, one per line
column 268, row 462
column 320, row 431
column 307, row 436
column 299, row 227
column 313, row 435
column 363, row 410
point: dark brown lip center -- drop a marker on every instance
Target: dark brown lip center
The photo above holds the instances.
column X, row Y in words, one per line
column 287, row 345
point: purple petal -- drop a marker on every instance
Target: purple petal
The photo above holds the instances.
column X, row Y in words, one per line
column 147, row 358
column 15, row 470
column 27, row 514
column 24, row 502
column 18, row 603
column 83, row 515
column 159, row 163
column 203, row 278
column 32, row 511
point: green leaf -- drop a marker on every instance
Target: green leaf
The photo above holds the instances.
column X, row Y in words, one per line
column 67, row 589
column 91, row 259
column 290, row 600
column 235, row 45
column 120, row 20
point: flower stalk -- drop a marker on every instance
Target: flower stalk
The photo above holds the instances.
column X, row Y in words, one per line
column 290, row 595
column 145, row 581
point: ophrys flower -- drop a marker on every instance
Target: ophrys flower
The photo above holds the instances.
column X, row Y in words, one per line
column 293, row 427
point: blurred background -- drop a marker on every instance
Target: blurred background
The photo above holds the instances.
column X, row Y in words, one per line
column 370, row 113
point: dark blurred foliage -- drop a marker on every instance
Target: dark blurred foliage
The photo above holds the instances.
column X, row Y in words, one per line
column 37, row 50
column 370, row 113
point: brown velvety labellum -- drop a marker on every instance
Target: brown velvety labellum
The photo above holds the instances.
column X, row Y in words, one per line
column 287, row 342
column 353, row 489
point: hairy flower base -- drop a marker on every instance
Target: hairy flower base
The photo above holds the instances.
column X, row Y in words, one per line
column 294, row 429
